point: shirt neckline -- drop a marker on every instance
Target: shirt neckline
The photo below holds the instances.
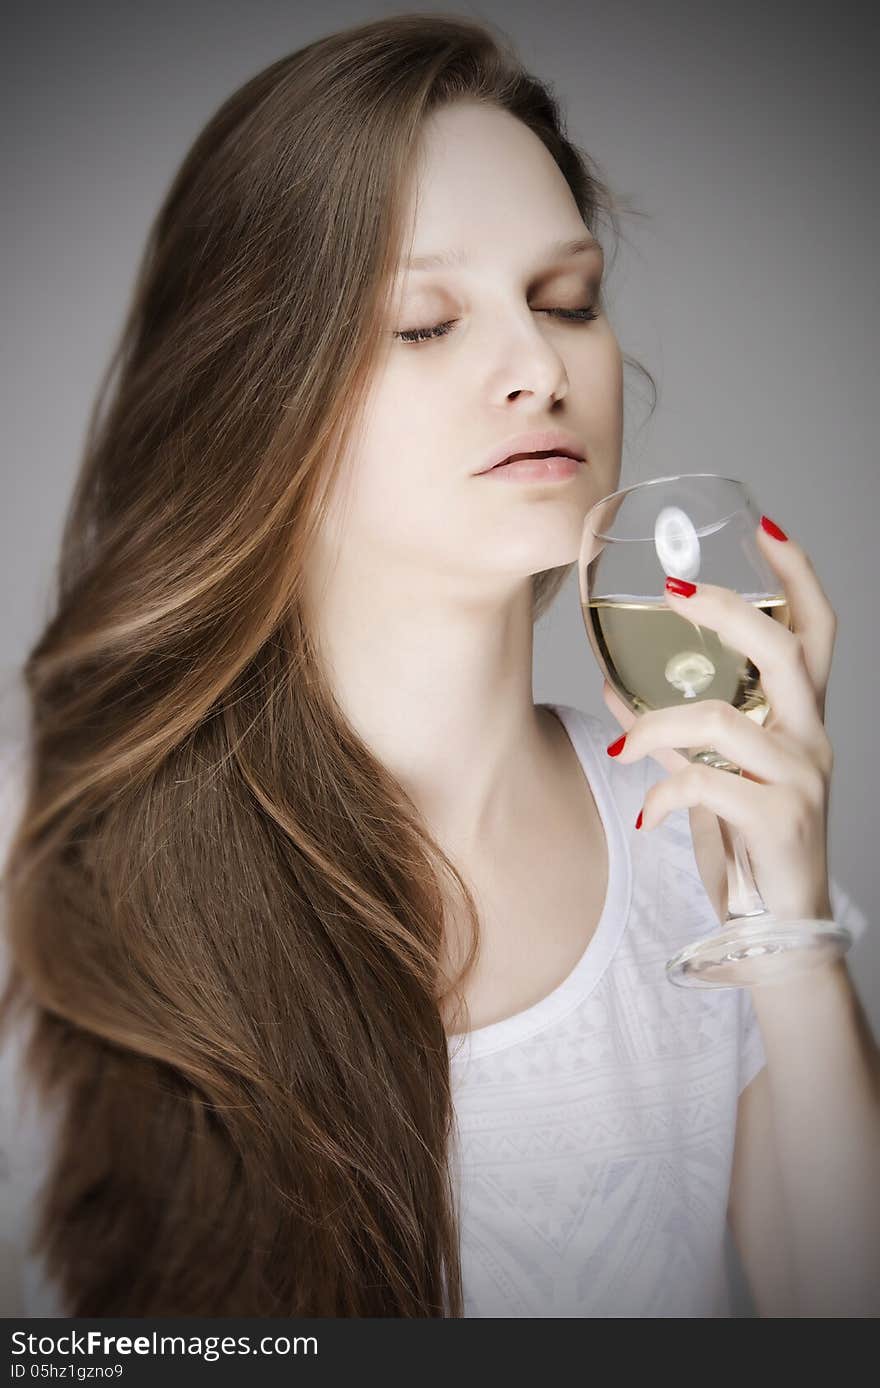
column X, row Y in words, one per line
column 591, row 965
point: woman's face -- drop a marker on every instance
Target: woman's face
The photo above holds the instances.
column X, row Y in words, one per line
column 506, row 365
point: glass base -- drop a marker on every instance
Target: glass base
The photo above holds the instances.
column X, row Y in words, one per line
column 757, row 949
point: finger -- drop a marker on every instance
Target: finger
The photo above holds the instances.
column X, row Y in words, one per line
column 745, row 804
column 812, row 616
column 772, row 648
column 714, row 724
column 669, row 759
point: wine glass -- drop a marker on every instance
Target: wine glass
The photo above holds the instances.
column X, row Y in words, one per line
column 685, row 526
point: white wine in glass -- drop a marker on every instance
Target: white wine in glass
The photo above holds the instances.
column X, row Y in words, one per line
column 655, row 658
column 689, row 526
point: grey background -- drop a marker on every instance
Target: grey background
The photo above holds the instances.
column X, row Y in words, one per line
column 747, row 133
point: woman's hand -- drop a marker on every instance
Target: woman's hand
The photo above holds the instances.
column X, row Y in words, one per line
column 780, row 803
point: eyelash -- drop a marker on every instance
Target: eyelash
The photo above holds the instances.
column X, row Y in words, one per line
column 571, row 315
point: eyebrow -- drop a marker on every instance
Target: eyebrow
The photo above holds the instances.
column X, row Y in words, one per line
column 560, row 250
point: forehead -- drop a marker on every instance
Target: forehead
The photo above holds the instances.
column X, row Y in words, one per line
column 485, row 183
column 457, row 258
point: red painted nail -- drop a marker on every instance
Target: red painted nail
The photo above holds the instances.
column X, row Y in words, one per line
column 615, row 748
column 773, row 529
column 681, row 587
column 639, row 820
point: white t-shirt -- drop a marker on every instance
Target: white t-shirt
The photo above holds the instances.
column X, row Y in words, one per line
column 594, row 1131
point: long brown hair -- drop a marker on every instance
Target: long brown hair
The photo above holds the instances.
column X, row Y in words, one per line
column 224, row 915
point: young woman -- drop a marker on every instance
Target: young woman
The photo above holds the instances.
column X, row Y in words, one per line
column 342, row 960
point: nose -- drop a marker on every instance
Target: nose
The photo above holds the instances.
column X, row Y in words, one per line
column 528, row 364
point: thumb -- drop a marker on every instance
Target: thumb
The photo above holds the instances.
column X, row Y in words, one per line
column 616, row 707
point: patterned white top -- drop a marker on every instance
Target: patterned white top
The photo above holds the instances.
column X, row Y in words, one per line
column 594, row 1130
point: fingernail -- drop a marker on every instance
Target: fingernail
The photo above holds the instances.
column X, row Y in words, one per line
column 615, row 748
column 639, row 820
column 773, row 529
column 681, row 587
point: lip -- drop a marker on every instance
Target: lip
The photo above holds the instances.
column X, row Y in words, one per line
column 542, row 441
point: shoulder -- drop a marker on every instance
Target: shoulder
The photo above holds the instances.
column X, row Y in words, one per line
column 598, row 729
column 591, row 734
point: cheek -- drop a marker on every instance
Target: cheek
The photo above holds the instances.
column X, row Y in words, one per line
column 395, row 487
column 603, row 404
column 407, row 454
column 377, row 476
column 609, row 372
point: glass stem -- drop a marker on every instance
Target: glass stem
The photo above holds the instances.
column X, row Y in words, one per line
column 743, row 897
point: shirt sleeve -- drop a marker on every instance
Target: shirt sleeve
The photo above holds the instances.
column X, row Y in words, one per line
column 751, row 1049
column 846, row 912
column 27, row 1129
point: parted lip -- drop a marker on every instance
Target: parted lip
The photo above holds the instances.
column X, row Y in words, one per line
column 544, row 441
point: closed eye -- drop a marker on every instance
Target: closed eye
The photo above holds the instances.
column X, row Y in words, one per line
column 572, row 315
